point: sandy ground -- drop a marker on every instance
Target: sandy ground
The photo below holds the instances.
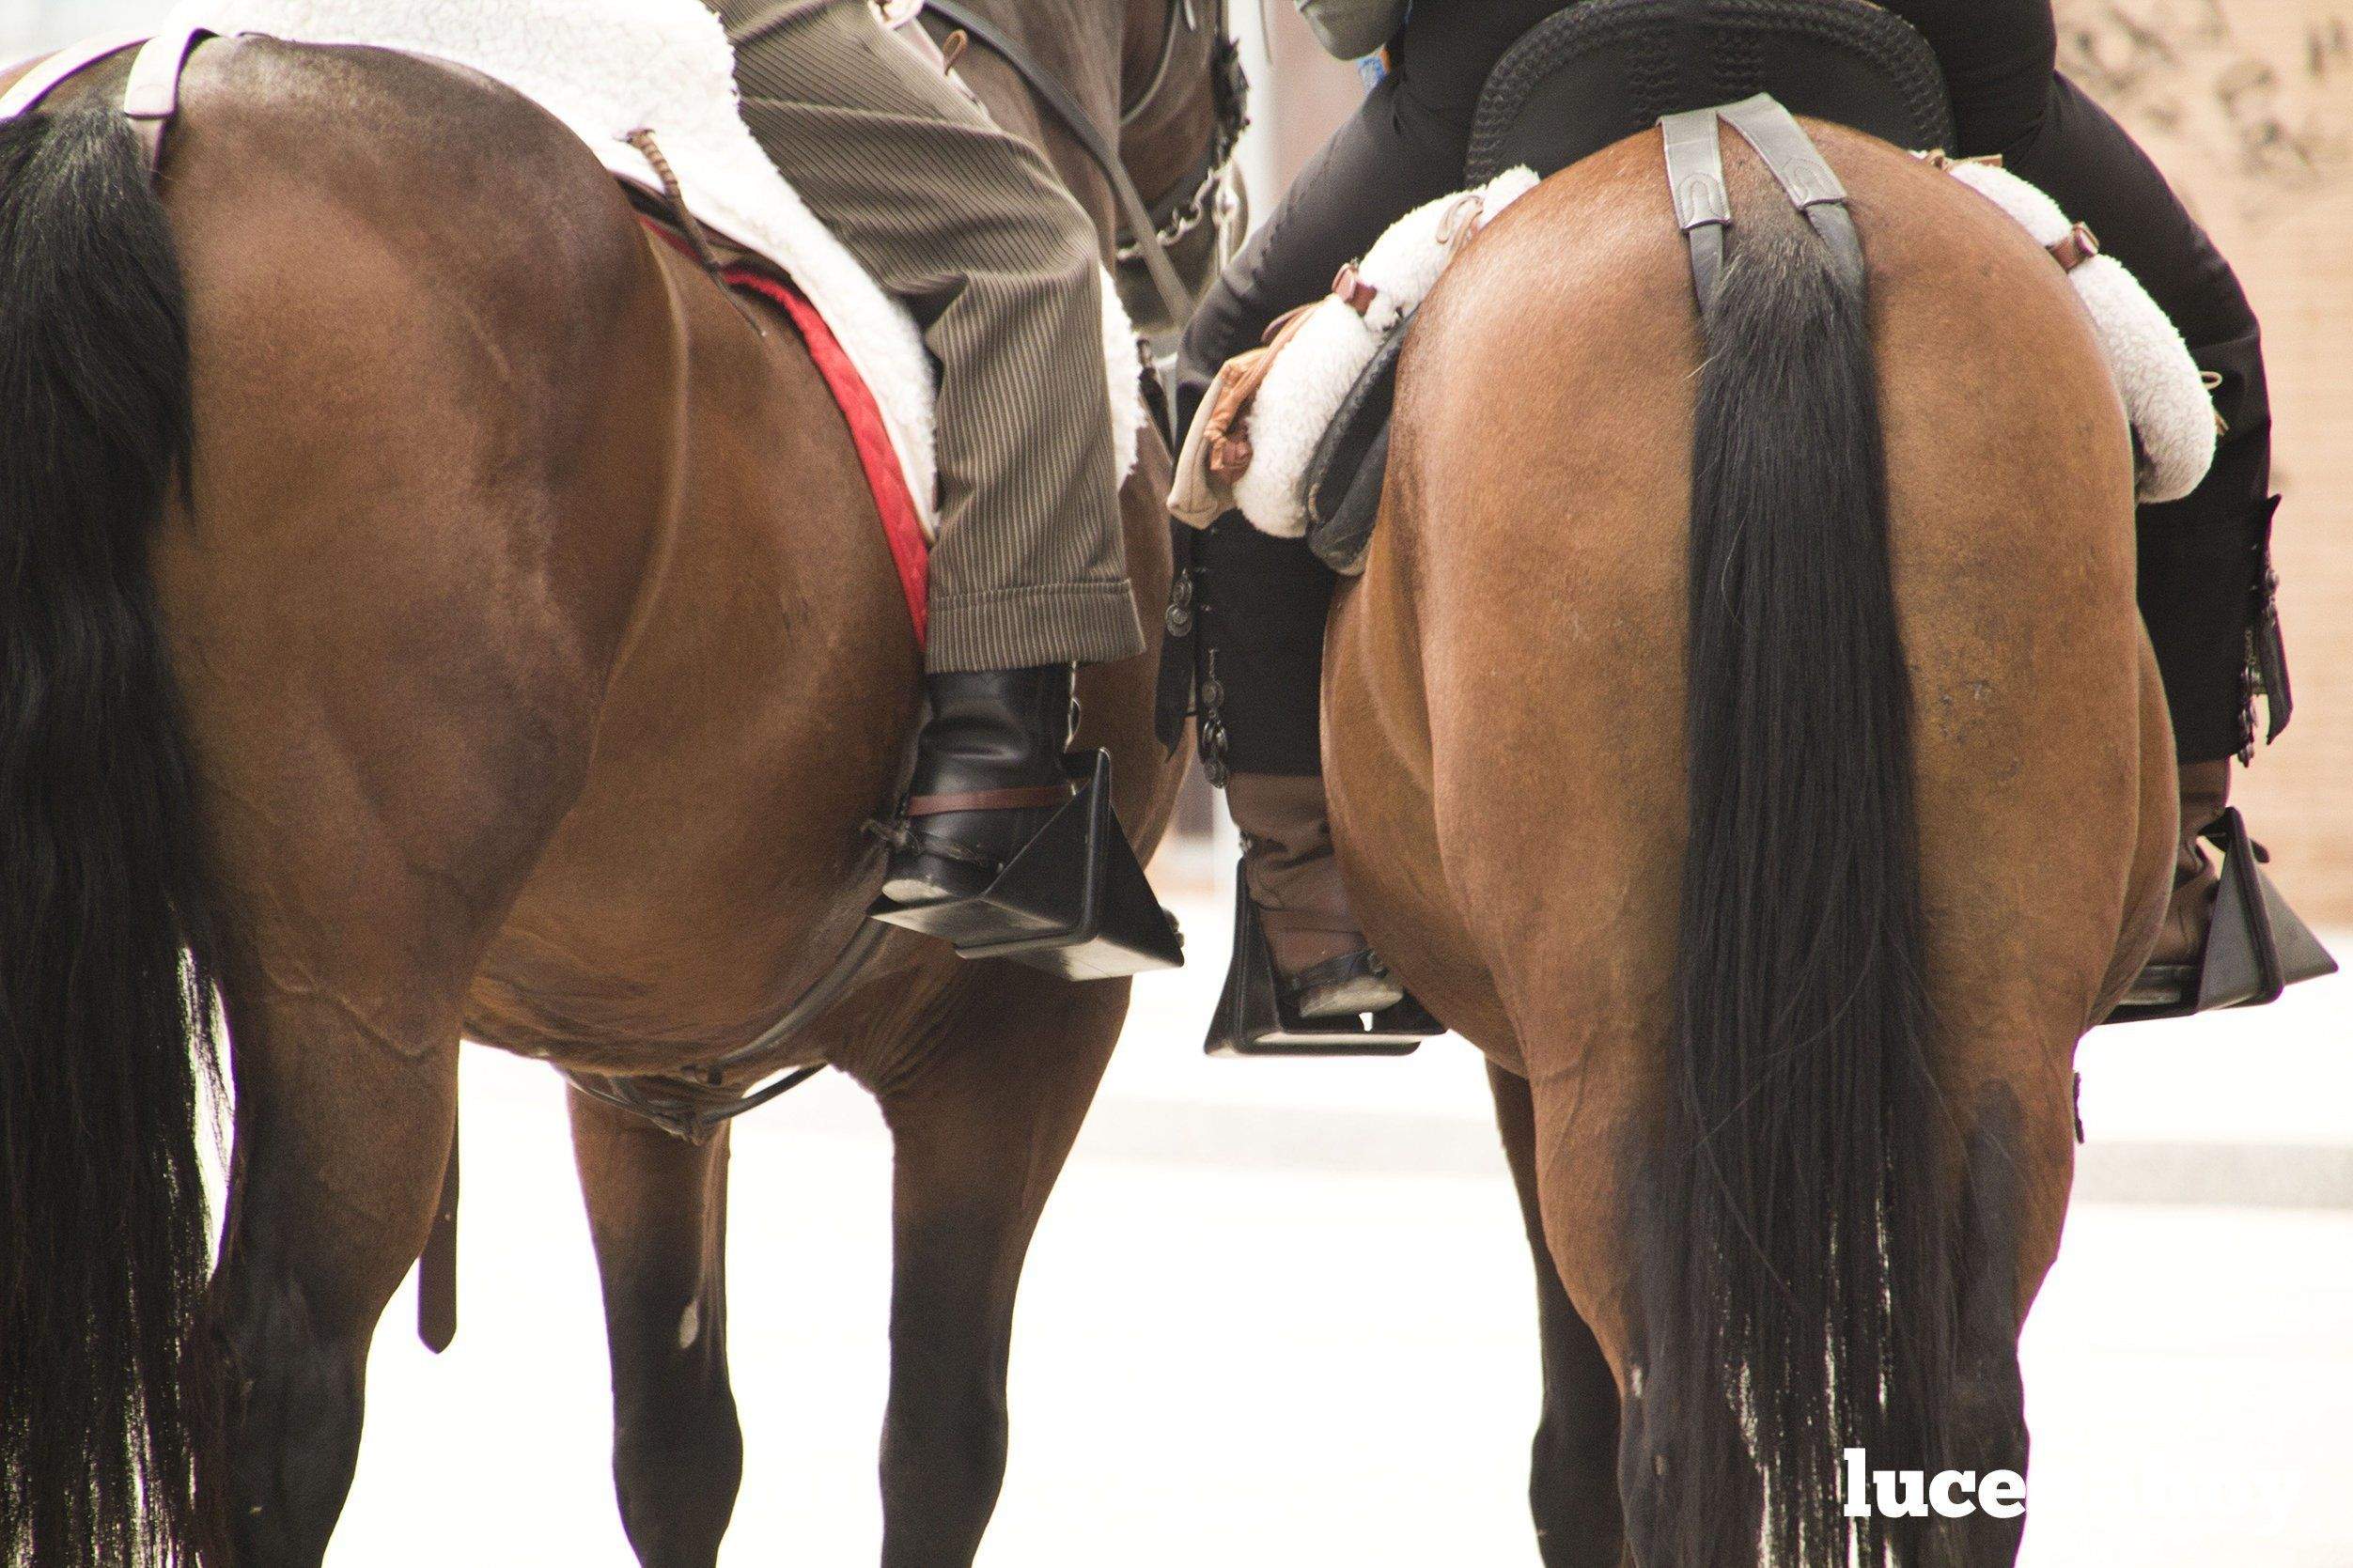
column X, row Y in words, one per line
column 1280, row 1314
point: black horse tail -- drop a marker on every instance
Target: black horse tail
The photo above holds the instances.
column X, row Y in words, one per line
column 1800, row 1209
column 106, row 991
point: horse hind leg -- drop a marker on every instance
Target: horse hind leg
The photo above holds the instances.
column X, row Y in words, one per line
column 2018, row 1162
column 342, row 1128
column 980, row 1128
column 1572, row 1482
column 658, row 1213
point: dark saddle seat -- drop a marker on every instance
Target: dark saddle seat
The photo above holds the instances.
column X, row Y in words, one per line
column 1597, row 72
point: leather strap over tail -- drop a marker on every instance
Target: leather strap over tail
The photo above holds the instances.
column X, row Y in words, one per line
column 1702, row 210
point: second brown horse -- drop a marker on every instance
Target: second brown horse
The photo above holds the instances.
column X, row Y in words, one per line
column 1769, row 771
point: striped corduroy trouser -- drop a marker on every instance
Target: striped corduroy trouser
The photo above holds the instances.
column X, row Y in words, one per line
column 967, row 225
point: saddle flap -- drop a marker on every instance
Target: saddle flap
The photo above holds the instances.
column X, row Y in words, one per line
column 1601, row 71
column 1343, row 479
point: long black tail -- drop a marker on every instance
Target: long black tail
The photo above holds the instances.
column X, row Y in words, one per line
column 107, row 997
column 1800, row 1204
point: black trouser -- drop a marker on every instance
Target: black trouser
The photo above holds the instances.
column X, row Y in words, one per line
column 2203, row 559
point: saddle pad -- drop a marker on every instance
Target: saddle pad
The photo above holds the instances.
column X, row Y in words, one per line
column 2172, row 414
column 609, row 67
column 1312, row 379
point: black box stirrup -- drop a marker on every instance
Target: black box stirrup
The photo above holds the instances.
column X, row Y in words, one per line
column 1074, row 902
column 1255, row 1018
column 2255, row 947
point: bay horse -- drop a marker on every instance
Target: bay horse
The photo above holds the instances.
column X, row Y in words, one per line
column 434, row 612
column 1750, row 744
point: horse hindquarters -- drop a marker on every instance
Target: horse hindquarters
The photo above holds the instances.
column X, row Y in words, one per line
column 423, row 481
column 1713, row 1063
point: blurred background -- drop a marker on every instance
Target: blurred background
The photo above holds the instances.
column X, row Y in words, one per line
column 1281, row 1313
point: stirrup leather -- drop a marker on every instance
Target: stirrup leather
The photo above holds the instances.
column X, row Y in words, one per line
column 1073, row 902
column 1255, row 1018
column 2256, row 947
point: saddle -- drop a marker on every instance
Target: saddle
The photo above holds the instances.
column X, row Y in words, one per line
column 1596, row 73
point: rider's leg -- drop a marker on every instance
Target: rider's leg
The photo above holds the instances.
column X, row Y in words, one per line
column 1264, row 598
column 1262, row 602
column 2203, row 560
column 968, row 226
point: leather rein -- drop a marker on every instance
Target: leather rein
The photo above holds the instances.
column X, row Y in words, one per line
column 1145, row 230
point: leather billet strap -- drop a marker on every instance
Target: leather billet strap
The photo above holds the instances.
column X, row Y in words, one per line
column 151, row 97
column 1797, row 164
column 1703, row 206
column 26, row 93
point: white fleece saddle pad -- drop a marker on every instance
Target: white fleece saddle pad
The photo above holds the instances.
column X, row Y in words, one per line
column 2171, row 412
column 611, row 67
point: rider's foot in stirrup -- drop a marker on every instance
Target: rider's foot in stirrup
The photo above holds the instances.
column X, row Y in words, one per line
column 2170, row 971
column 1322, row 960
column 988, row 773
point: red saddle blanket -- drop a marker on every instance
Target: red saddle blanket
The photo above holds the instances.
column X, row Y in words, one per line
column 902, row 522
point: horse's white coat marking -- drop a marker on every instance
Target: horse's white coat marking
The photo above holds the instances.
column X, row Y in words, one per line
column 689, row 1325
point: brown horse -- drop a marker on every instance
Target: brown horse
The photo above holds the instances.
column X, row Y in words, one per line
column 432, row 605
column 1770, row 775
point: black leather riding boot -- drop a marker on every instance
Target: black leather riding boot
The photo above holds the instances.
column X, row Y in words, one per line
column 988, row 773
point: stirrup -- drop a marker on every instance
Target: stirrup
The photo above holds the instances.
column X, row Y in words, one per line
column 2255, row 947
column 1255, row 1018
column 1073, row 902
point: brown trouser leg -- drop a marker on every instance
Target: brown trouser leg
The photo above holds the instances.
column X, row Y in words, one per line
column 967, row 225
column 1291, row 872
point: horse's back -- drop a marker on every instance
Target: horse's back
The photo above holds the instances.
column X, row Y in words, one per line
column 1528, row 587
